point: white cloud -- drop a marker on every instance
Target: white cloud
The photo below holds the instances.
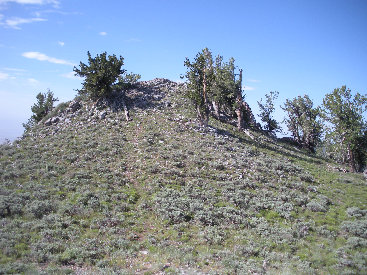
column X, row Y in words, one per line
column 103, row 33
column 248, row 88
column 15, row 22
column 71, row 75
column 33, row 81
column 14, row 70
column 32, row 2
column 4, row 76
column 61, row 43
column 43, row 57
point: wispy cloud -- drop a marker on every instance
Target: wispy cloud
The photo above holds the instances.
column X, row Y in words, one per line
column 33, row 81
column 103, row 33
column 248, row 88
column 31, row 2
column 61, row 43
column 4, row 76
column 42, row 57
column 16, row 21
column 71, row 75
column 14, row 70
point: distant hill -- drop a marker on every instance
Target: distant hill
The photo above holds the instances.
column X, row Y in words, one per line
column 86, row 191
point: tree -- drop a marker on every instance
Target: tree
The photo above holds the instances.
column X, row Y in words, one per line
column 266, row 112
column 224, row 87
column 200, row 79
column 347, row 129
column 303, row 121
column 103, row 75
column 43, row 106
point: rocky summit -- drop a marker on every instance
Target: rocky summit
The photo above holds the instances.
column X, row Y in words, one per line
column 134, row 185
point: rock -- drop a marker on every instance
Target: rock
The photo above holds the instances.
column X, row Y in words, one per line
column 365, row 173
column 103, row 115
column 74, row 106
column 48, row 122
column 55, row 120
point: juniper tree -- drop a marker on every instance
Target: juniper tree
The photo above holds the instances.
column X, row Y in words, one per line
column 303, row 121
column 266, row 112
column 347, row 130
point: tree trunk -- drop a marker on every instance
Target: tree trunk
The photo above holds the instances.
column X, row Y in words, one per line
column 204, row 114
column 351, row 159
column 216, row 109
column 239, row 110
column 126, row 111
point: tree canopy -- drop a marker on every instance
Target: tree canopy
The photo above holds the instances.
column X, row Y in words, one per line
column 267, row 109
column 103, row 74
column 303, row 121
column 347, row 128
column 43, row 106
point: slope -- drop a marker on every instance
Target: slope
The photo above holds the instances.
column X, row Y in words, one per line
column 86, row 191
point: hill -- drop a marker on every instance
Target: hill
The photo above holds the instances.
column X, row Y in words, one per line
column 87, row 191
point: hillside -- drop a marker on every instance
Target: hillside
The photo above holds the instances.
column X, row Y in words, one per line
column 87, row 192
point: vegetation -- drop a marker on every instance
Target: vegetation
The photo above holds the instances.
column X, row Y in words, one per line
column 200, row 79
column 159, row 194
column 348, row 128
column 92, row 193
column 43, row 106
column 214, row 89
column 303, row 121
column 103, row 75
column 266, row 112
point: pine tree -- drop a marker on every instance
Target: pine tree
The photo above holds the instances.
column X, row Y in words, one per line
column 266, row 112
column 303, row 121
column 347, row 130
column 224, row 87
column 43, row 106
column 103, row 74
column 200, row 80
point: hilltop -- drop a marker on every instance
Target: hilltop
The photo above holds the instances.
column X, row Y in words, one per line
column 94, row 189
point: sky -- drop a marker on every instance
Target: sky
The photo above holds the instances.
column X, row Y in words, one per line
column 293, row 47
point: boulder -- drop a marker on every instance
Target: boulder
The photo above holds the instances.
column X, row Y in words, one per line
column 74, row 106
column 48, row 122
column 102, row 115
column 55, row 120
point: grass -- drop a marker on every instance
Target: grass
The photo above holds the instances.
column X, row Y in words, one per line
column 160, row 194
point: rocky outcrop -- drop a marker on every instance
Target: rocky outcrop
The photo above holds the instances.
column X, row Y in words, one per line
column 143, row 95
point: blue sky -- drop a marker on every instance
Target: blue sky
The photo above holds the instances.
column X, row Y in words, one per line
column 293, row 47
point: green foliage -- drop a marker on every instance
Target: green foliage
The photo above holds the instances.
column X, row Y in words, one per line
column 266, row 112
column 210, row 83
column 103, row 75
column 200, row 76
column 347, row 131
column 43, row 106
column 303, row 121
column 225, row 86
column 106, row 197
